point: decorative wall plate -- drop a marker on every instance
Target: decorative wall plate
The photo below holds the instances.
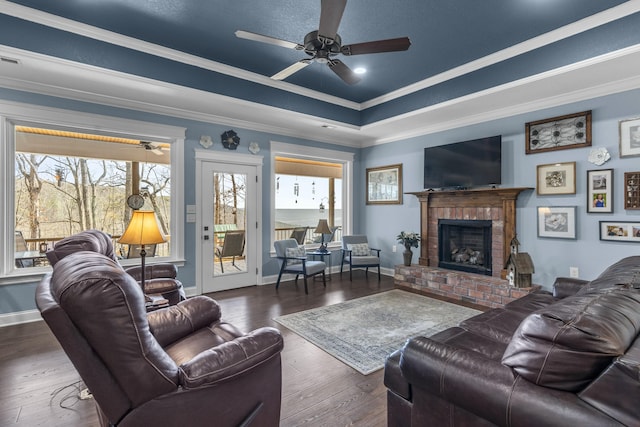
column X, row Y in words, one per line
column 254, row 148
column 205, row 141
column 230, row 140
column 598, row 156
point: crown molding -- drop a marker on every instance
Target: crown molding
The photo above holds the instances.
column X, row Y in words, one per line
column 561, row 33
column 64, row 24
column 610, row 73
column 585, row 24
column 607, row 74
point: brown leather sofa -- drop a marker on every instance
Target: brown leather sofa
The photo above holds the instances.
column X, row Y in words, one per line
column 160, row 279
column 567, row 358
column 177, row 366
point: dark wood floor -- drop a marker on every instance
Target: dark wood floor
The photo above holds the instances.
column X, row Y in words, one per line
column 318, row 390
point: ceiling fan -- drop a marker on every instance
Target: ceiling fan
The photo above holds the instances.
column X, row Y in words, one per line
column 323, row 44
column 153, row 147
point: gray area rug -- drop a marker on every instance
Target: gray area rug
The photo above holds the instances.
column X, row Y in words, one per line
column 363, row 331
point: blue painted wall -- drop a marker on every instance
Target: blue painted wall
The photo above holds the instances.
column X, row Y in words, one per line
column 552, row 257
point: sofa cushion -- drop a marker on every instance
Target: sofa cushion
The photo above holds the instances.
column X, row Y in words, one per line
column 567, row 344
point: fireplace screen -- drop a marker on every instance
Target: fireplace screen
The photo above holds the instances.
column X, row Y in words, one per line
column 465, row 245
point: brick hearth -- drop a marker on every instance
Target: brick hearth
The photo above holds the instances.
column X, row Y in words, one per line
column 473, row 288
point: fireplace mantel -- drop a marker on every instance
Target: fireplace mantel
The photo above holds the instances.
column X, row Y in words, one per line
column 496, row 204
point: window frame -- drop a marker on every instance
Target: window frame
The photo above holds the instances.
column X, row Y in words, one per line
column 346, row 159
column 14, row 114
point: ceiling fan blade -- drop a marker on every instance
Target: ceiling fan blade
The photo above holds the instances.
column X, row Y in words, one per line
column 389, row 45
column 293, row 68
column 330, row 16
column 266, row 39
column 344, row 72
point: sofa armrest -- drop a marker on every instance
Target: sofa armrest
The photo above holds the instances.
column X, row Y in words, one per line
column 489, row 389
column 567, row 286
column 231, row 358
column 172, row 323
column 153, row 271
column 160, row 285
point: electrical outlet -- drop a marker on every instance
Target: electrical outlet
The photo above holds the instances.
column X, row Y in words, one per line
column 393, row 248
column 573, row 272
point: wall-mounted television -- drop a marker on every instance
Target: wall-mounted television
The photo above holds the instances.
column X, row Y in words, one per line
column 463, row 165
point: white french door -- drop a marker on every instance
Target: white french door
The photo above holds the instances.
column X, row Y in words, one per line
column 229, row 238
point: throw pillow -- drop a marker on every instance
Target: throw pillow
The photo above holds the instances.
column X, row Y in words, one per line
column 294, row 253
column 359, row 249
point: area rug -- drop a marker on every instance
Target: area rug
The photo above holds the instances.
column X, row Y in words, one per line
column 363, row 331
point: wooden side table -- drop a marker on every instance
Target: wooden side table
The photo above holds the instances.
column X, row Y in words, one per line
column 321, row 255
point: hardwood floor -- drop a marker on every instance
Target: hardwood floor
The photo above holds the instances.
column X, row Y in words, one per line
column 318, row 390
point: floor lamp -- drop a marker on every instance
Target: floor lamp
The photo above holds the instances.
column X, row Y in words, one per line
column 322, row 228
column 143, row 229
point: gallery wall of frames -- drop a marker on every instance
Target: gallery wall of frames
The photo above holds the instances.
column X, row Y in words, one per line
column 574, row 131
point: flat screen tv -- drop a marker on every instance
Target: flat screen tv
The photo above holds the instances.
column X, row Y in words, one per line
column 463, row 165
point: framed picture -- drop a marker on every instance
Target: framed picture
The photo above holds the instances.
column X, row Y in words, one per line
column 384, row 185
column 556, row 178
column 558, row 133
column 557, row 221
column 620, row 231
column 600, row 191
column 630, row 137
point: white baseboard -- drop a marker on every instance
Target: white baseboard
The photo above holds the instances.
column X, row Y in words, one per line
column 27, row 316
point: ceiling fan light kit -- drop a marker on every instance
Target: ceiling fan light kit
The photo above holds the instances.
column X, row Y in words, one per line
column 323, row 44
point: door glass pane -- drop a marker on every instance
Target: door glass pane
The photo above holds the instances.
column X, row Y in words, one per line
column 229, row 217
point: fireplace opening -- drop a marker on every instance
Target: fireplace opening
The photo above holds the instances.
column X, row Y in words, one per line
column 465, row 245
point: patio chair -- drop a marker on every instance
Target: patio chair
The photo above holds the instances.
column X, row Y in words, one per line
column 299, row 233
column 233, row 246
column 357, row 253
column 21, row 246
column 293, row 260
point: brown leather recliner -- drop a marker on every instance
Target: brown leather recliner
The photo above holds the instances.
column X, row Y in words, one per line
column 177, row 366
column 160, row 279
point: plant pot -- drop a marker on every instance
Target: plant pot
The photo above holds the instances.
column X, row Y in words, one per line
column 407, row 256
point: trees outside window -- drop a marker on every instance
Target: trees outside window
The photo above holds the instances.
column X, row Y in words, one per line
column 67, row 182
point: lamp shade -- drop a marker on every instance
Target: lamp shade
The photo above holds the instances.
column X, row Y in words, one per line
column 323, row 227
column 143, row 229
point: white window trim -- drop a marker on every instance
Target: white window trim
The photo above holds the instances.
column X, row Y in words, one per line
column 15, row 113
column 281, row 149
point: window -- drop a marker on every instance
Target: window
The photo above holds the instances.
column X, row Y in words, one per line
column 308, row 185
column 73, row 177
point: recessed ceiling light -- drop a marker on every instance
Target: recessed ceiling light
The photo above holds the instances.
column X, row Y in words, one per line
column 360, row 70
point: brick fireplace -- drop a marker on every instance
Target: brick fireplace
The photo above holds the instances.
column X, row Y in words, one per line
column 497, row 205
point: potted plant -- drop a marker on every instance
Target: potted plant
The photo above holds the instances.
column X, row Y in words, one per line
column 409, row 240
